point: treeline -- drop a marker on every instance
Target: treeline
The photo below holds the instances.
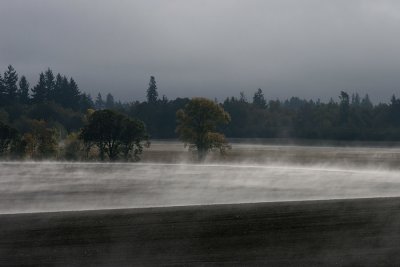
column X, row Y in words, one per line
column 50, row 115
column 55, row 99
column 351, row 118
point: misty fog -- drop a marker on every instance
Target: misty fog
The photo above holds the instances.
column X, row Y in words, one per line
column 56, row 186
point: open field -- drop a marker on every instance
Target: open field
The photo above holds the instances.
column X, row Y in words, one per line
column 261, row 204
column 363, row 232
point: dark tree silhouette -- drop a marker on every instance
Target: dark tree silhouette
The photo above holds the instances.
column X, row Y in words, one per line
column 258, row 99
column 152, row 94
column 132, row 137
column 3, row 95
column 108, row 130
column 49, row 84
column 7, row 136
column 39, row 92
column 109, row 101
column 344, row 107
column 23, row 90
column 10, row 80
column 99, row 103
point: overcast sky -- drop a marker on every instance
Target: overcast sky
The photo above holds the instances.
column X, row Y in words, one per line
column 212, row 48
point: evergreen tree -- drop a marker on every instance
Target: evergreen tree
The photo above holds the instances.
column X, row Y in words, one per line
column 66, row 92
column 73, row 94
column 23, row 91
column 2, row 92
column 355, row 99
column 39, row 93
column 10, row 83
column 99, row 103
column 242, row 97
column 49, row 84
column 258, row 99
column 58, row 89
column 85, row 102
column 366, row 102
column 344, row 107
column 109, row 101
column 152, row 94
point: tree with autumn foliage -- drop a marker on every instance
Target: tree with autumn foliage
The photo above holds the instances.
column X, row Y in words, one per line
column 197, row 126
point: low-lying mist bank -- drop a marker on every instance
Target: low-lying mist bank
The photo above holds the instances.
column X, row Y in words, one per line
column 378, row 155
column 58, row 186
column 361, row 232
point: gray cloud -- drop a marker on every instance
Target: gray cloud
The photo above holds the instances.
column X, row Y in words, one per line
column 308, row 48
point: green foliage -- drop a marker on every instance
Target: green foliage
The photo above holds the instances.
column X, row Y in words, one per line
column 7, row 136
column 41, row 140
column 114, row 135
column 74, row 148
column 197, row 126
column 132, row 134
column 53, row 113
column 57, row 102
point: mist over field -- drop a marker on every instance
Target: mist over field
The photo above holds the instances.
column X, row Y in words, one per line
column 192, row 133
column 57, row 186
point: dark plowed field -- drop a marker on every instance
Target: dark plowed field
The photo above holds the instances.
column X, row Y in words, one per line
column 362, row 232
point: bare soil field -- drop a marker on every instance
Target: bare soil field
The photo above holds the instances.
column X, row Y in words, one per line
column 362, row 232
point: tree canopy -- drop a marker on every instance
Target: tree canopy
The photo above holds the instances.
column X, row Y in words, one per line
column 115, row 135
column 197, row 126
column 56, row 105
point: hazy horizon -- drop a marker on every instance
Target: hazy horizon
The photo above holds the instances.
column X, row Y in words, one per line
column 216, row 49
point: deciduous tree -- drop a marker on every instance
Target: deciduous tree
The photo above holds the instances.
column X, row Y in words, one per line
column 197, row 126
column 7, row 136
column 113, row 134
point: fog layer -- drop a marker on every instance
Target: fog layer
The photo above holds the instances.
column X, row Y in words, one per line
column 35, row 187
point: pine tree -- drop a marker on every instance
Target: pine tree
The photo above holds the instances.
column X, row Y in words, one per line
column 2, row 91
column 242, row 97
column 73, row 94
column 58, row 89
column 85, row 102
column 10, row 83
column 39, row 93
column 152, row 94
column 99, row 103
column 110, row 101
column 366, row 102
column 23, row 91
column 49, row 84
column 258, row 99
